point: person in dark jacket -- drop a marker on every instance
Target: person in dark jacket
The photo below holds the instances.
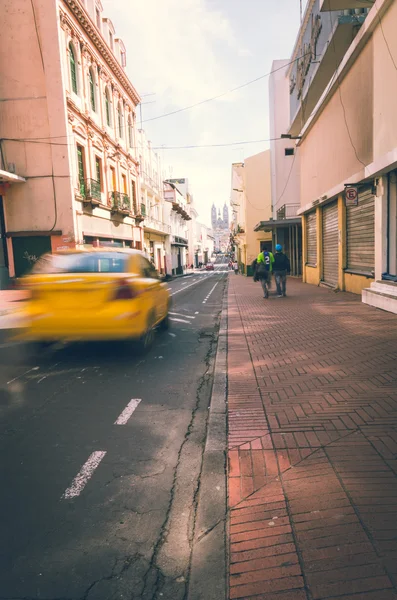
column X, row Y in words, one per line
column 281, row 267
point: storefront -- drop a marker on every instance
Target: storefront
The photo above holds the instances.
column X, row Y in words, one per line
column 382, row 293
column 154, row 248
column 330, row 245
column 311, row 237
column 179, row 248
column 288, row 233
column 360, row 233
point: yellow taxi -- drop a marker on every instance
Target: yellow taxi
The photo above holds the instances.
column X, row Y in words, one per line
column 95, row 294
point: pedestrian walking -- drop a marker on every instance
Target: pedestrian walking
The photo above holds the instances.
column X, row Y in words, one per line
column 263, row 273
column 281, row 268
column 235, row 267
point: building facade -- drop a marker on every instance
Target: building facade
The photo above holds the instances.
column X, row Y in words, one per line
column 342, row 111
column 152, row 207
column 251, row 206
column 69, row 128
column 177, row 199
column 284, row 223
column 220, row 228
column 205, row 244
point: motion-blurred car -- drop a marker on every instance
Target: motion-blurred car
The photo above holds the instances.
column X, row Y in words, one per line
column 209, row 267
column 95, row 295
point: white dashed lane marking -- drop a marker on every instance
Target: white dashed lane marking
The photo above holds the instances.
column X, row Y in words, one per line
column 208, row 295
column 84, row 475
column 180, row 320
column 127, row 412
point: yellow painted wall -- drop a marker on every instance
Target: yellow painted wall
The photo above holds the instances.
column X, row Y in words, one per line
column 312, row 275
column 356, row 283
column 257, row 187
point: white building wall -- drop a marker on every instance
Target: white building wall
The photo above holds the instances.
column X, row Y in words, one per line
column 284, row 169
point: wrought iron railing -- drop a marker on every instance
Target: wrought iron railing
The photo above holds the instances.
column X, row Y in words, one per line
column 92, row 189
column 120, row 202
column 287, row 211
column 157, row 225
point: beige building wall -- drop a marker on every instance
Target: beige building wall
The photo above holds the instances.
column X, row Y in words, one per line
column 44, row 118
column 257, row 187
column 385, row 84
column 33, row 113
column 326, row 153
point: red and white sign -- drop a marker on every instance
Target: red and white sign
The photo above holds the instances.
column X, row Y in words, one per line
column 351, row 195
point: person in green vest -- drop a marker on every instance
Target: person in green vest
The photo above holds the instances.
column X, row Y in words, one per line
column 264, row 267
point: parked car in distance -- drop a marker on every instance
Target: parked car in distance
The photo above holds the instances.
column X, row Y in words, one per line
column 209, row 267
column 93, row 295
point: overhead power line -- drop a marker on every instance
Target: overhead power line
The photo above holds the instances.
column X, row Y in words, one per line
column 341, row 99
column 224, row 145
column 239, row 87
column 221, row 145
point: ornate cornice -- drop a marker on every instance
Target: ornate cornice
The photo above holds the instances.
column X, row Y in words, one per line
column 90, row 29
column 91, row 126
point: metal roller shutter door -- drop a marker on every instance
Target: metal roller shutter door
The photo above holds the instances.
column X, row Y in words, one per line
column 311, row 235
column 330, row 244
column 360, row 228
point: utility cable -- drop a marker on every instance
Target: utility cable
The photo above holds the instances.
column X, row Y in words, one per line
column 341, row 99
column 239, row 87
column 221, row 145
column 372, row 3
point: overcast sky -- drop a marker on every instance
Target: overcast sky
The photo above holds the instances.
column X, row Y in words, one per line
column 185, row 51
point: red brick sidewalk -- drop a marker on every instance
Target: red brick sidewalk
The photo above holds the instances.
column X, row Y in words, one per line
column 312, row 395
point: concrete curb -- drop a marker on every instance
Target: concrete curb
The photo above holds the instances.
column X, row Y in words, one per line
column 208, row 574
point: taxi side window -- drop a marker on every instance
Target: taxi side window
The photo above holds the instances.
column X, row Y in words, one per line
column 148, row 269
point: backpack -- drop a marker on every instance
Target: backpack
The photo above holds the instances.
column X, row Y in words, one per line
column 264, row 267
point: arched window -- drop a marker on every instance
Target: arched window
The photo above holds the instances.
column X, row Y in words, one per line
column 130, row 132
column 73, row 68
column 120, row 119
column 108, row 108
column 91, row 82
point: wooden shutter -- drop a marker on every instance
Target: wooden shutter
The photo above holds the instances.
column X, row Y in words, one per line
column 311, row 236
column 330, row 244
column 360, row 230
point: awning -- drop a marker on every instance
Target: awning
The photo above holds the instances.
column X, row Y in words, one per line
column 274, row 224
column 7, row 177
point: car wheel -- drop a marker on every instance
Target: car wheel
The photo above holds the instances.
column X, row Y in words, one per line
column 146, row 340
column 165, row 323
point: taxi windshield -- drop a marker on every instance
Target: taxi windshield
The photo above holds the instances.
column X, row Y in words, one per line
column 101, row 262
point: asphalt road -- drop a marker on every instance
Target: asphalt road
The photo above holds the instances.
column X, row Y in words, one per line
column 101, row 458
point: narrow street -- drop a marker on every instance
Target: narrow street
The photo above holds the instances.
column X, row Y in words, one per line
column 122, row 525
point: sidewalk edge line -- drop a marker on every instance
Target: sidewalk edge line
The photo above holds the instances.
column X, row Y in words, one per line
column 209, row 565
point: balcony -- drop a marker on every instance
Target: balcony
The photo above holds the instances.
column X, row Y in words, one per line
column 288, row 211
column 91, row 191
column 328, row 5
column 178, row 208
column 324, row 41
column 239, row 229
column 155, row 226
column 120, row 203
